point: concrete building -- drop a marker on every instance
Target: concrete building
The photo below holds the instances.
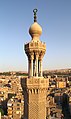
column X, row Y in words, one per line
column 35, row 86
column 16, row 107
column 61, row 84
column 3, row 93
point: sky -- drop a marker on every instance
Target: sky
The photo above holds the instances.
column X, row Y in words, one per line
column 16, row 16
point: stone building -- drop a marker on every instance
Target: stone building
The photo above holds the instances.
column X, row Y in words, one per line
column 35, row 86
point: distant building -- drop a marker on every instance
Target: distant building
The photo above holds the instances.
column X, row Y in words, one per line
column 16, row 107
column 61, row 84
column 3, row 93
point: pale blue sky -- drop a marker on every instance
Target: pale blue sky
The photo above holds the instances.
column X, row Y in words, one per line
column 16, row 16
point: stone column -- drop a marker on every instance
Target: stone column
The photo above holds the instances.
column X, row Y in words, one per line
column 37, row 65
column 0, row 115
column 41, row 67
column 29, row 67
column 32, row 65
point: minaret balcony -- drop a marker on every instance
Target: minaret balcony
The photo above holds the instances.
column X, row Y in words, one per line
column 35, row 46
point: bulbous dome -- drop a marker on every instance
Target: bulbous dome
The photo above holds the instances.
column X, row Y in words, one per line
column 35, row 29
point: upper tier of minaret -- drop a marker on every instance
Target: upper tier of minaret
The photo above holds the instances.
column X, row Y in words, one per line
column 35, row 49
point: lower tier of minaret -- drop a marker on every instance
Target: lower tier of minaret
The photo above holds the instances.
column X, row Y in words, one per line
column 35, row 93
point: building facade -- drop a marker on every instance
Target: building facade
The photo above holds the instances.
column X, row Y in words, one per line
column 16, row 107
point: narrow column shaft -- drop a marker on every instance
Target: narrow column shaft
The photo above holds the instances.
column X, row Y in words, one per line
column 32, row 65
column 29, row 68
column 34, row 68
column 0, row 115
column 41, row 68
column 37, row 65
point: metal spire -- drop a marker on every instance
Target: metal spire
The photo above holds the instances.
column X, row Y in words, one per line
column 35, row 17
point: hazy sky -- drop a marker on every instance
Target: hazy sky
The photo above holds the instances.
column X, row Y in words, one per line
column 16, row 16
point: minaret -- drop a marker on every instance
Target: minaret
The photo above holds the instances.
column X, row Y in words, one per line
column 35, row 86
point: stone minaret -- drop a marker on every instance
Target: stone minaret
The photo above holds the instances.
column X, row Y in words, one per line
column 35, row 86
